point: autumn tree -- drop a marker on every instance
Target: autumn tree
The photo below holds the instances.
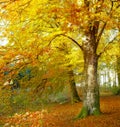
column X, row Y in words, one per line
column 25, row 25
column 65, row 51
column 98, row 17
column 84, row 23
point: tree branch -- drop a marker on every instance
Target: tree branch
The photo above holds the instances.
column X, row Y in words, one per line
column 102, row 30
column 106, row 46
column 74, row 41
column 100, row 34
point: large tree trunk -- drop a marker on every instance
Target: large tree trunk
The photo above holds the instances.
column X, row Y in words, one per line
column 74, row 94
column 91, row 105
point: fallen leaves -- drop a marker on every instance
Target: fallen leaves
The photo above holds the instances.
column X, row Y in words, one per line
column 29, row 119
column 61, row 115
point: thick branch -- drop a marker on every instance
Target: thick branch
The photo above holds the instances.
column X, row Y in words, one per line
column 112, row 3
column 106, row 46
column 101, row 32
column 74, row 41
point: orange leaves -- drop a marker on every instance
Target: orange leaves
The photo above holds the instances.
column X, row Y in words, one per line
column 49, row 74
column 32, row 119
column 46, row 50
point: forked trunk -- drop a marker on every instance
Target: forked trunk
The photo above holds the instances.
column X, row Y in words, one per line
column 74, row 94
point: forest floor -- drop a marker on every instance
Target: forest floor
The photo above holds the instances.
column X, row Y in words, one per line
column 62, row 115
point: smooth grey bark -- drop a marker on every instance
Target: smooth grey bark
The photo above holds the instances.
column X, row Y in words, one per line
column 91, row 105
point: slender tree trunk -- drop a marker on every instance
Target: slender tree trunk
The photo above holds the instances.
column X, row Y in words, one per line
column 118, row 67
column 118, row 73
column 109, row 78
column 105, row 78
column 118, row 70
column 114, row 80
column 74, row 94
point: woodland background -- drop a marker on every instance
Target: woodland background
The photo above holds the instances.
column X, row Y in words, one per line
column 55, row 58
